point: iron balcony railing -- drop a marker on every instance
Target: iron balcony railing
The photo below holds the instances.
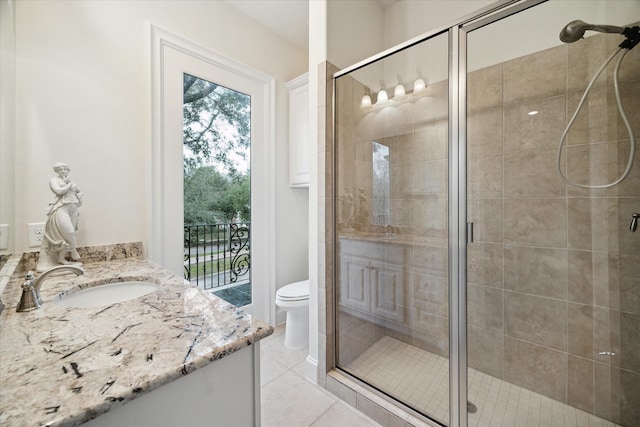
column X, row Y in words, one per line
column 217, row 255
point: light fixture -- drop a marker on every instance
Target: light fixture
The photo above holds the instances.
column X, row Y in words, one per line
column 366, row 98
column 382, row 94
column 532, row 113
column 419, row 84
column 399, row 91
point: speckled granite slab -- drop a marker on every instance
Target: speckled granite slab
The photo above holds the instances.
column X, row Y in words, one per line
column 64, row 366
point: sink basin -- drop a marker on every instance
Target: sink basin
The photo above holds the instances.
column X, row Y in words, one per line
column 110, row 293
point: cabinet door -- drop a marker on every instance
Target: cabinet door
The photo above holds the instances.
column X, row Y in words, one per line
column 387, row 291
column 354, row 283
column 299, row 131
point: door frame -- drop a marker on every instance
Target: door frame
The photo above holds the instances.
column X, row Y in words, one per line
column 165, row 239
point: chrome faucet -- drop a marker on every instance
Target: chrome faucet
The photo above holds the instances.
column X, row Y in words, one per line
column 30, row 299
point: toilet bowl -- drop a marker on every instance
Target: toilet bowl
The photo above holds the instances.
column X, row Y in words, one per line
column 294, row 299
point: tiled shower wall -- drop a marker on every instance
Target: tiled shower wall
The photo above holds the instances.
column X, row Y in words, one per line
column 554, row 272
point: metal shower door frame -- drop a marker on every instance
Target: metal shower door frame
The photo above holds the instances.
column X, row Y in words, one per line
column 459, row 232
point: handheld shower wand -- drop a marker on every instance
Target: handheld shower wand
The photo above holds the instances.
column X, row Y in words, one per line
column 574, row 30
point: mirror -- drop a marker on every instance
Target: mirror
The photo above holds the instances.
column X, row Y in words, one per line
column 381, row 184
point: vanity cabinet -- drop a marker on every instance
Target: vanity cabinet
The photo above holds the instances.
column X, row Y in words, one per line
column 299, row 131
column 374, row 282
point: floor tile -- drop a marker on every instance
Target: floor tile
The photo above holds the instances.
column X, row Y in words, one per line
column 291, row 401
column 341, row 414
column 270, row 369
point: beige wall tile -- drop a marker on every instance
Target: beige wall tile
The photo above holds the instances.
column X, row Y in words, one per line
column 603, row 347
column 580, row 384
column 484, row 176
column 540, row 222
column 629, row 345
column 485, row 351
column 485, row 307
column 537, row 320
column 430, row 260
column 484, row 88
column 584, row 58
column 484, row 132
column 603, row 393
column 540, row 75
column 580, row 283
column 431, row 294
column 538, row 271
column 431, row 141
column 606, row 287
column 433, row 331
column 580, row 330
column 487, row 218
column 430, row 177
column 536, row 368
column 629, row 292
column 629, row 243
column 485, row 264
column 524, row 174
column 629, row 397
column 430, row 217
column 434, row 104
column 593, row 224
column 541, row 131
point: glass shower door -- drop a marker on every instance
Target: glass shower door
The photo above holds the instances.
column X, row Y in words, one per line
column 553, row 301
column 391, row 226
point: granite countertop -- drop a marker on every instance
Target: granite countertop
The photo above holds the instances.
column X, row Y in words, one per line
column 64, row 366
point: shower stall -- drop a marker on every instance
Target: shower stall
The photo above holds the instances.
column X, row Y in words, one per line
column 484, row 271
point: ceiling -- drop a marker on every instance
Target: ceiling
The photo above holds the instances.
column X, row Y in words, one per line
column 287, row 18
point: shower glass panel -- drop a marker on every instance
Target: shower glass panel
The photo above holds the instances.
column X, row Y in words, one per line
column 391, row 226
column 553, row 293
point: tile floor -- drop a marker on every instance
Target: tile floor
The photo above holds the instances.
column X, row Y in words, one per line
column 421, row 379
column 289, row 400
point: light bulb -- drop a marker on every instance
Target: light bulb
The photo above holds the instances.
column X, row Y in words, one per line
column 399, row 91
column 366, row 101
column 418, row 85
column 382, row 96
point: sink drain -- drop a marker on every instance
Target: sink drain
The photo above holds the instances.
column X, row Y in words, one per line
column 471, row 408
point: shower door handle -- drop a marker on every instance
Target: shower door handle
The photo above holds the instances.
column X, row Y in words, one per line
column 635, row 217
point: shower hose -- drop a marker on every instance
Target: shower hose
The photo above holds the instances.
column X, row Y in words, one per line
column 632, row 141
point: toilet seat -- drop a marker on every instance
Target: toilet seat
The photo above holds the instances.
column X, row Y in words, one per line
column 298, row 291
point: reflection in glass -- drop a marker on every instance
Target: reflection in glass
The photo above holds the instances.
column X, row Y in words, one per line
column 391, row 242
column 381, row 181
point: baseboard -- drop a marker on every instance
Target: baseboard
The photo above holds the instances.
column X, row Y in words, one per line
column 311, row 371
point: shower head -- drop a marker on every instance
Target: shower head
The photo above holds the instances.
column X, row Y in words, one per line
column 574, row 30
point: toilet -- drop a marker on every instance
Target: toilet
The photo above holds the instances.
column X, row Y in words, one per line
column 294, row 299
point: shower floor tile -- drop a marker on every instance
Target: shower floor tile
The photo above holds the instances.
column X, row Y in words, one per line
column 421, row 380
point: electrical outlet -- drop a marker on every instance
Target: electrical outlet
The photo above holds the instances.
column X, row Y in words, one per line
column 36, row 234
column 4, row 237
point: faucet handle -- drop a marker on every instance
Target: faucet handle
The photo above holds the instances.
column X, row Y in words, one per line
column 29, row 300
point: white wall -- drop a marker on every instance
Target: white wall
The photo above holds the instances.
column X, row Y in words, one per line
column 411, row 18
column 83, row 97
column 7, row 119
column 355, row 31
